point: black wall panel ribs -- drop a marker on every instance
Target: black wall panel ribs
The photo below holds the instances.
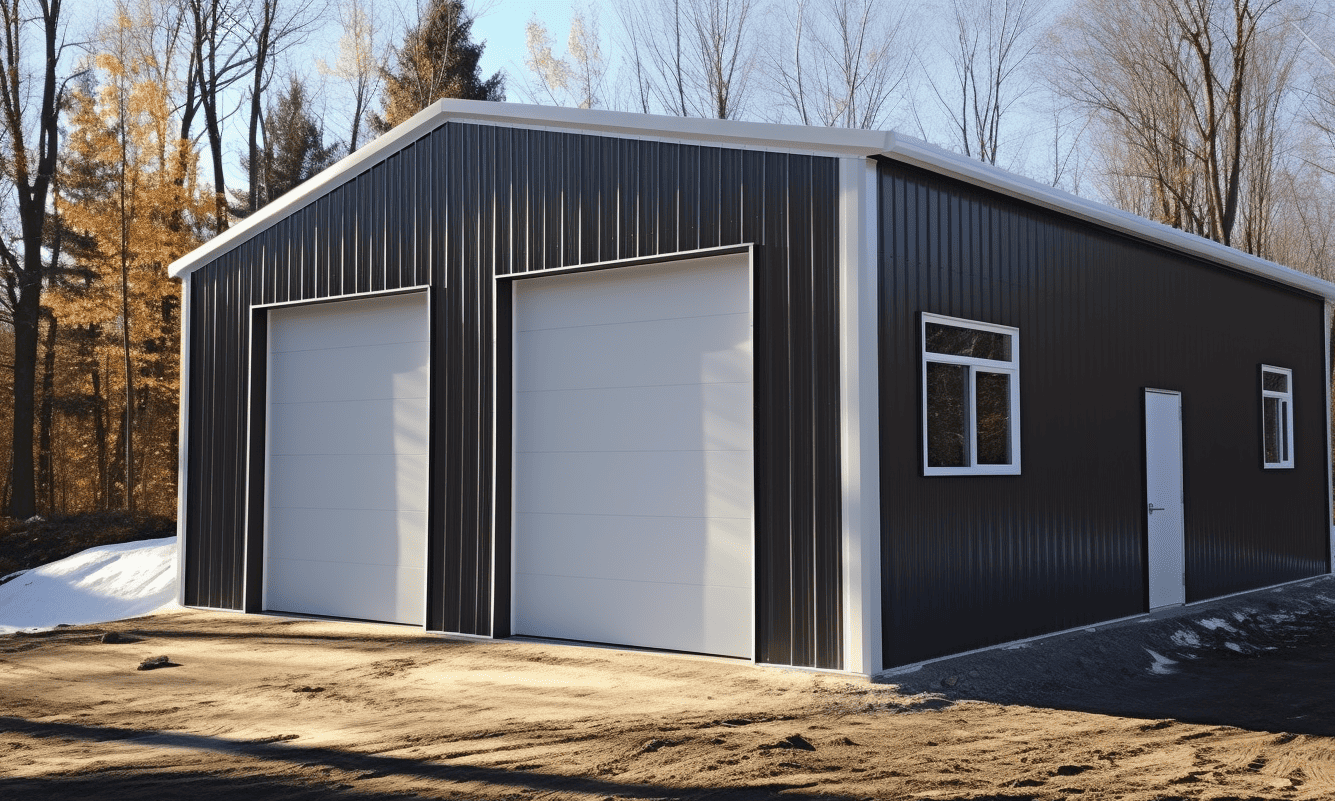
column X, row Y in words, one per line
column 968, row 561
column 469, row 202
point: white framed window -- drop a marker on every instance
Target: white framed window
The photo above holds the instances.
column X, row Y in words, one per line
column 1276, row 416
column 970, row 397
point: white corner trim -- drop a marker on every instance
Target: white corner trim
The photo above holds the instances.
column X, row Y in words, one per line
column 859, row 429
column 183, row 440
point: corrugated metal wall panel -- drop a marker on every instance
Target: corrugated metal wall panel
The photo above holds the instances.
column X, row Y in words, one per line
column 468, row 202
column 974, row 560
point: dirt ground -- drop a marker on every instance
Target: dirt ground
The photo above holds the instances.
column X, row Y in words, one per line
column 259, row 707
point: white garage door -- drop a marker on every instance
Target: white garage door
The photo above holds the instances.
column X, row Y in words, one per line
column 347, row 459
column 633, row 456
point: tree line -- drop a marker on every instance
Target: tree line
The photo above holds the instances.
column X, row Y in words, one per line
column 127, row 143
column 1214, row 116
column 114, row 149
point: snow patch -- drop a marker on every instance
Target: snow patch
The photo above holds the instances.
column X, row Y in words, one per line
column 1232, row 646
column 106, row 583
column 1161, row 663
column 1186, row 639
column 1216, row 623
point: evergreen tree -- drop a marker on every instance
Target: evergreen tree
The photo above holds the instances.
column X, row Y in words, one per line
column 294, row 148
column 438, row 59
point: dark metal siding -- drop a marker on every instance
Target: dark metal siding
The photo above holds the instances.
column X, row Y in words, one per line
column 311, row 254
column 971, row 561
column 469, row 202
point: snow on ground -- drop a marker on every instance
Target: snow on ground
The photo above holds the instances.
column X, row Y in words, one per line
column 100, row 584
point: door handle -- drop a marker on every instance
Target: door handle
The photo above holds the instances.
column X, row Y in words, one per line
column 1153, row 508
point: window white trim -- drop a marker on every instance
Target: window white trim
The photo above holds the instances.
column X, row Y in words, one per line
column 1009, row 368
column 1286, row 416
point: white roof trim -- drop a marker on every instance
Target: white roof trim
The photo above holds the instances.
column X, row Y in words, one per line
column 972, row 171
column 750, row 135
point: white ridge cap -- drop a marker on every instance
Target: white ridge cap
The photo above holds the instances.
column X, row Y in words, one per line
column 752, row 135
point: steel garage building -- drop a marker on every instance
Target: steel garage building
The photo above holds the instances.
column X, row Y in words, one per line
column 805, row 396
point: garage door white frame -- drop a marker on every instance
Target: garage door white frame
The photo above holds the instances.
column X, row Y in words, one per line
column 746, row 250
column 260, row 346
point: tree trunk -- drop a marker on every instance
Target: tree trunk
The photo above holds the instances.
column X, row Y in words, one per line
column 206, row 54
column 31, row 185
column 253, row 199
column 45, row 473
column 23, row 491
column 129, row 381
column 100, row 437
column 117, row 466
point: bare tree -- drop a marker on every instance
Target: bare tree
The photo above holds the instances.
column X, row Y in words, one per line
column 361, row 58
column 587, row 62
column 840, row 62
column 218, row 60
column 691, row 57
column 577, row 79
column 635, row 65
column 31, row 94
column 989, row 44
column 657, row 50
column 1302, row 233
column 273, row 28
column 550, row 73
column 1301, row 220
column 1318, row 36
column 1187, row 96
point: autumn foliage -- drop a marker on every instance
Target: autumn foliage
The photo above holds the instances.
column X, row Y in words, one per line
column 128, row 203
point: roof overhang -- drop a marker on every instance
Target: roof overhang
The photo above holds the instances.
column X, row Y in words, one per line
column 837, row 142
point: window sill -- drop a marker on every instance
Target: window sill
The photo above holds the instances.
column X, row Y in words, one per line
column 998, row 470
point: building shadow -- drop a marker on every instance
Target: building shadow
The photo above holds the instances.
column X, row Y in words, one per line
column 1263, row 661
column 236, row 781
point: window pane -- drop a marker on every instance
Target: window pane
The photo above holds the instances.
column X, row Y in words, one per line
column 994, row 418
column 957, row 341
column 1271, row 423
column 1274, row 382
column 947, row 432
column 1284, row 431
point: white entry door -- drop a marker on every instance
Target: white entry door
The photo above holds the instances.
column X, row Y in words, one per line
column 1165, row 512
column 345, row 529
column 633, row 456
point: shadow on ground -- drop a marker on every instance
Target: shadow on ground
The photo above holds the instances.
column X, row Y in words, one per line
column 286, row 771
column 1262, row 661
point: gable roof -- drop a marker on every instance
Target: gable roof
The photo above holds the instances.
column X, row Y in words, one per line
column 837, row 142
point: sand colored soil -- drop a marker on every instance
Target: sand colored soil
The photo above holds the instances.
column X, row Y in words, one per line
column 260, row 707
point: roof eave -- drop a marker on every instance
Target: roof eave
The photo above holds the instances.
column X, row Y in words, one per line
column 976, row 173
column 724, row 133
column 753, row 135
